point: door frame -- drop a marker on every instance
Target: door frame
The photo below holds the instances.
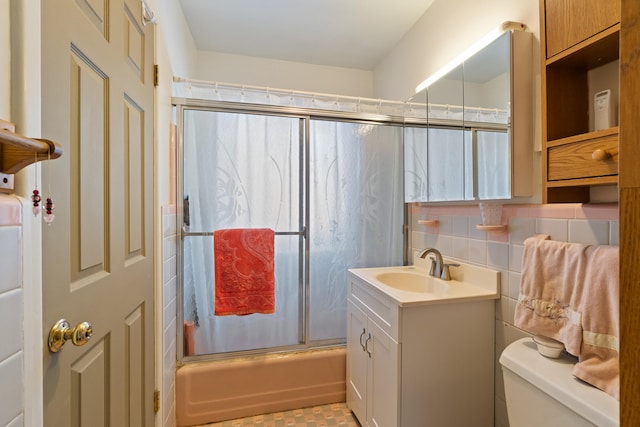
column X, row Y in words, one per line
column 26, row 96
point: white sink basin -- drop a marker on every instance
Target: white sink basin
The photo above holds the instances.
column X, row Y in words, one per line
column 412, row 285
column 411, row 281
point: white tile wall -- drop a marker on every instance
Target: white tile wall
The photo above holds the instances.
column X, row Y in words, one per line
column 589, row 232
column 596, row 225
column 11, row 396
column 11, row 313
column 10, row 261
column 169, row 315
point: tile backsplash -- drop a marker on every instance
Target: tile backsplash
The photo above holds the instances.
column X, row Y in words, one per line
column 455, row 235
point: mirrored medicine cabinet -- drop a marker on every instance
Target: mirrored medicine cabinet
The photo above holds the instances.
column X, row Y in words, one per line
column 468, row 133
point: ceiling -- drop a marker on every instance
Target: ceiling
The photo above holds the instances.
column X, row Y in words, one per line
column 342, row 33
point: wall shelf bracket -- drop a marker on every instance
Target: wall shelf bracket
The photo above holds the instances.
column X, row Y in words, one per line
column 17, row 151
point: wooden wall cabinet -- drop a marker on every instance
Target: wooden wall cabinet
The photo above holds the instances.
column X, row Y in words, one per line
column 577, row 38
column 568, row 22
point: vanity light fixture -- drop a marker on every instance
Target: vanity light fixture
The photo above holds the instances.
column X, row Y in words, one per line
column 468, row 53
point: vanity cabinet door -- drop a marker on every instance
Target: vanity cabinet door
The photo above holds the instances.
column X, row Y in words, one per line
column 384, row 378
column 373, row 371
column 357, row 361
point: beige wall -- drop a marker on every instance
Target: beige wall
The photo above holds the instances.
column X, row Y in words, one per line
column 174, row 44
column 4, row 65
column 214, row 66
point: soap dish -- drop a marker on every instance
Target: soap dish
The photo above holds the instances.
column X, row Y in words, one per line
column 548, row 347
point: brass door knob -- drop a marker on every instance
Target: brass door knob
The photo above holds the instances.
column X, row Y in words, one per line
column 61, row 332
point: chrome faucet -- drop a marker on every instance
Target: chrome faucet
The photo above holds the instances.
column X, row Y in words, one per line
column 438, row 267
column 436, row 264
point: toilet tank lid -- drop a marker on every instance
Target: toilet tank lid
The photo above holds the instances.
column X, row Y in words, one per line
column 554, row 377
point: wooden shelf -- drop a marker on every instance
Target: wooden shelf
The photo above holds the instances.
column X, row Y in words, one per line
column 600, row 180
column 598, row 50
column 428, row 221
column 17, row 151
column 584, row 137
column 501, row 227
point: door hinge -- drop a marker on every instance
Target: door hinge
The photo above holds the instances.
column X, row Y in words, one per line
column 156, row 77
column 156, row 401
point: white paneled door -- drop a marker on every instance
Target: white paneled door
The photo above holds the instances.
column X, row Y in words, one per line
column 97, row 86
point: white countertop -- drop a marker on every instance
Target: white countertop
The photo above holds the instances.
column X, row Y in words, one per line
column 468, row 283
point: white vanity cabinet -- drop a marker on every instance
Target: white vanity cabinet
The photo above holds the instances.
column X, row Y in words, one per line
column 418, row 364
column 374, row 370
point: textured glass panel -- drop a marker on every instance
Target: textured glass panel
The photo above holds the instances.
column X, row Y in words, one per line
column 493, row 165
column 356, row 213
column 241, row 171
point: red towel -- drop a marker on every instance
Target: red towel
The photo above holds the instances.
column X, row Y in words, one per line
column 244, row 271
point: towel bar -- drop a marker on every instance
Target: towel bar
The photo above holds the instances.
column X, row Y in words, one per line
column 302, row 232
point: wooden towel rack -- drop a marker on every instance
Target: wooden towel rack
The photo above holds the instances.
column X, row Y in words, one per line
column 17, row 151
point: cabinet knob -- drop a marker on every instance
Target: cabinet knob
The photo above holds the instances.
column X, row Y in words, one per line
column 600, row 155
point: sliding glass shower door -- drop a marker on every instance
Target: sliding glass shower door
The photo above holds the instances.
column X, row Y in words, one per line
column 332, row 192
column 356, row 213
column 241, row 171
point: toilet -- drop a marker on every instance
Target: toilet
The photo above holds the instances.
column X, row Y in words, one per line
column 541, row 391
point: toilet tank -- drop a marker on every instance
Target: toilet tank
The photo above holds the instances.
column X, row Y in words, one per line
column 543, row 392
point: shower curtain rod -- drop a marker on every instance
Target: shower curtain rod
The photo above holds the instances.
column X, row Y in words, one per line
column 267, row 89
column 327, row 96
column 462, row 107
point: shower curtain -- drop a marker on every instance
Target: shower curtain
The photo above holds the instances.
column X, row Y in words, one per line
column 250, row 170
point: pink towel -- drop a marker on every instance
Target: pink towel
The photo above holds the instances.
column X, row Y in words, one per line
column 569, row 292
column 244, row 271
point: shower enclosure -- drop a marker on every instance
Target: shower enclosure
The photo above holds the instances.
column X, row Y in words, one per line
column 329, row 185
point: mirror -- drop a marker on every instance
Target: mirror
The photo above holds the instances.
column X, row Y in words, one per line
column 464, row 138
column 432, row 168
